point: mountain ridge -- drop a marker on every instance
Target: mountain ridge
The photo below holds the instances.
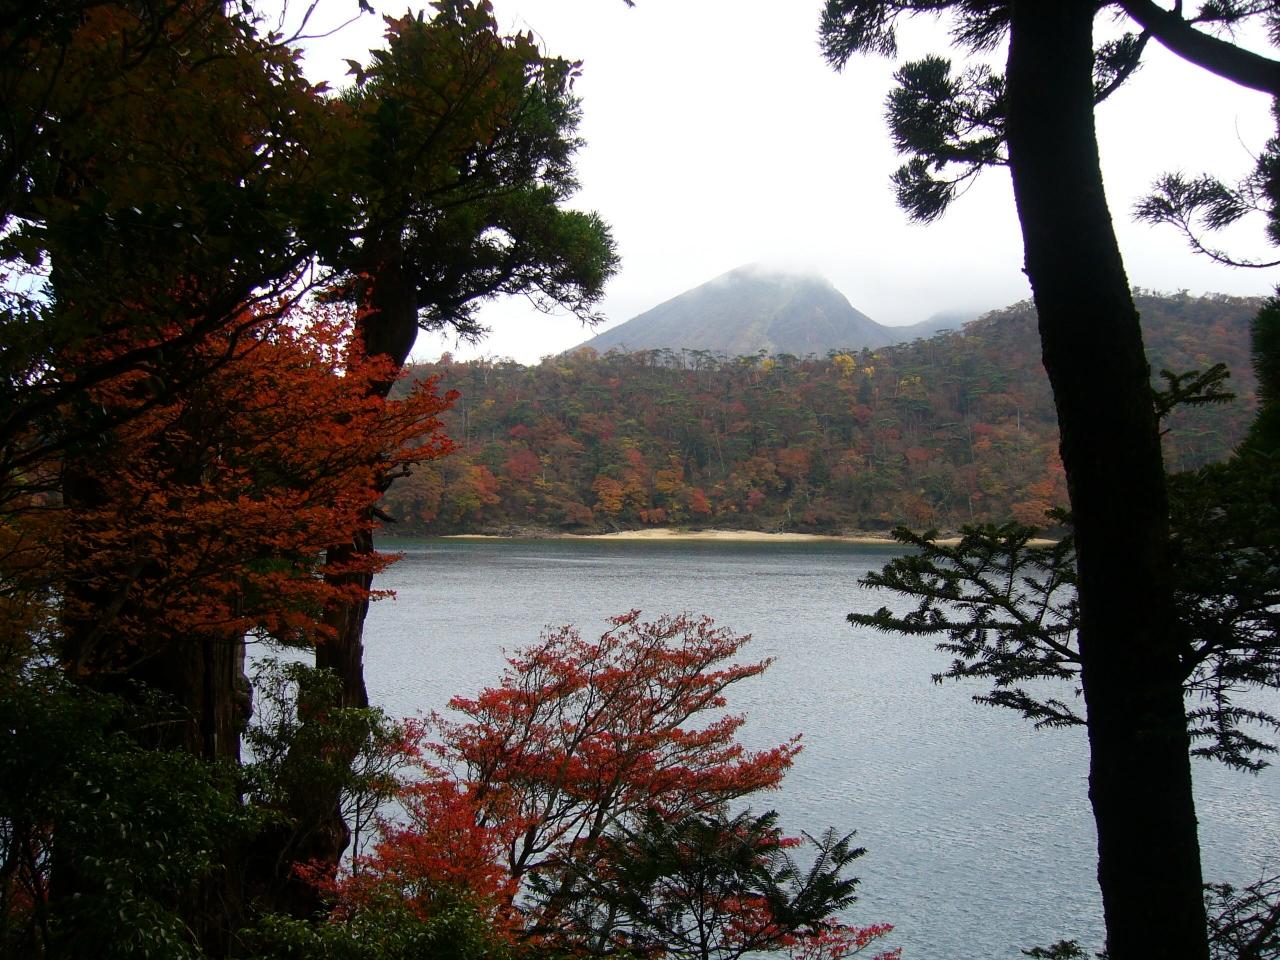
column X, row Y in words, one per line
column 754, row 309
column 958, row 428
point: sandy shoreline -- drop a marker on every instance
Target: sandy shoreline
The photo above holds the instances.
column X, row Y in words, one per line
column 743, row 536
column 727, row 536
column 669, row 533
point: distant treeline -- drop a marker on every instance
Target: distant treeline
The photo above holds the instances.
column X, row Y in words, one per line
column 935, row 433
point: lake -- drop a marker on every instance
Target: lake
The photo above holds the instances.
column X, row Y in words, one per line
column 978, row 830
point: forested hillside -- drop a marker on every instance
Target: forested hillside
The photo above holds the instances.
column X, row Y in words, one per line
column 938, row 432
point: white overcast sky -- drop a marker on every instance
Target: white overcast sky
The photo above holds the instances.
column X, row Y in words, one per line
column 717, row 136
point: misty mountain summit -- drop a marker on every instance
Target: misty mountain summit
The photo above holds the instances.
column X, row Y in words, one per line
column 750, row 309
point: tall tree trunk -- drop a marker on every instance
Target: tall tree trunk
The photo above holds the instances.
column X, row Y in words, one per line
column 201, row 675
column 1140, row 774
column 387, row 326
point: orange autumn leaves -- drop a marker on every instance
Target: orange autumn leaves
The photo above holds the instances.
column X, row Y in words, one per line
column 522, row 805
column 207, row 509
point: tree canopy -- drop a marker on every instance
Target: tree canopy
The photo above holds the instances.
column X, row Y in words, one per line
column 587, row 801
column 213, row 270
column 1036, row 117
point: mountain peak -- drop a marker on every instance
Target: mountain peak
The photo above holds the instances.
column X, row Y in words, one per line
column 755, row 307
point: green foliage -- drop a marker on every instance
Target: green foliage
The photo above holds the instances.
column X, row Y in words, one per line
column 392, row 931
column 684, row 888
column 138, row 833
column 153, row 179
column 457, row 146
column 109, row 847
column 1244, row 924
column 1133, row 642
column 949, row 125
column 353, row 751
column 1008, row 609
column 1008, row 612
column 1264, row 433
column 170, row 186
column 1191, row 389
column 166, row 165
column 1226, row 551
column 1005, row 604
column 1200, row 205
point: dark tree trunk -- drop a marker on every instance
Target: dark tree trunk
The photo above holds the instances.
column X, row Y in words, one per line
column 319, row 834
column 1140, row 775
column 202, row 677
column 343, row 653
column 204, row 674
column 388, row 326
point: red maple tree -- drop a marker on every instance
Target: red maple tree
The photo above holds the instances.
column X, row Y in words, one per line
column 592, row 756
column 202, row 517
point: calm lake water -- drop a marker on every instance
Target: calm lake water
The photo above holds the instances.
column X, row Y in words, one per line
column 978, row 831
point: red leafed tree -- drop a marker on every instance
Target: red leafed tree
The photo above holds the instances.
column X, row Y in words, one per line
column 582, row 734
column 584, row 801
column 842, row 941
column 203, row 516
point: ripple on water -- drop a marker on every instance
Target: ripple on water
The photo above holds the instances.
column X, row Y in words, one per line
column 978, row 829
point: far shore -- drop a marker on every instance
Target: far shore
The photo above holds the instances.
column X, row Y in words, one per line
column 671, row 533
column 745, row 536
column 664, row 534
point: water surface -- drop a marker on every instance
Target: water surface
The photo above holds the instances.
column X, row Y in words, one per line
column 978, row 830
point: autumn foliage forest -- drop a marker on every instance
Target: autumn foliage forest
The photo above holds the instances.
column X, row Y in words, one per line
column 213, row 271
column 943, row 432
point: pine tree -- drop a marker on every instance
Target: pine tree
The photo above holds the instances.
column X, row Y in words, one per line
column 1037, row 117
